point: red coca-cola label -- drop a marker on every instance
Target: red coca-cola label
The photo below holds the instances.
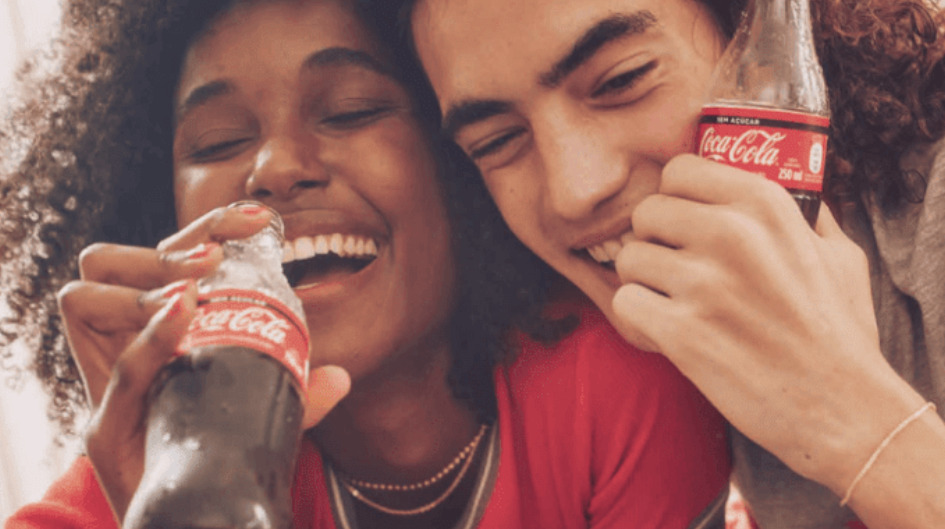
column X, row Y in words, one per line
column 784, row 146
column 246, row 318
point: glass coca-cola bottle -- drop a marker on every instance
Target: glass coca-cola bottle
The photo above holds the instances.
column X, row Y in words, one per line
column 225, row 416
column 767, row 109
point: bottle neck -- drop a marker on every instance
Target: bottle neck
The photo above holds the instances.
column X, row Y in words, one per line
column 772, row 61
column 782, row 21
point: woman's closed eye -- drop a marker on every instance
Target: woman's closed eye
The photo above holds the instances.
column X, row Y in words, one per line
column 219, row 149
column 358, row 117
column 622, row 82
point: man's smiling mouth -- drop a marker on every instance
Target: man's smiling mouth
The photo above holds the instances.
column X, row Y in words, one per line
column 605, row 252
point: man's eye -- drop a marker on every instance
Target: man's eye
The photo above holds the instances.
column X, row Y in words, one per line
column 357, row 117
column 623, row 81
column 218, row 151
column 494, row 145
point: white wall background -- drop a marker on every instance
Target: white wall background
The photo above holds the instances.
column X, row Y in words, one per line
column 29, row 459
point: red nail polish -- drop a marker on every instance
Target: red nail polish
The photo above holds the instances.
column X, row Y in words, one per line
column 176, row 306
column 201, row 251
column 250, row 210
column 176, row 288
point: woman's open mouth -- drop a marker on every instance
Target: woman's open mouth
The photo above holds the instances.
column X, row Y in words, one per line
column 310, row 260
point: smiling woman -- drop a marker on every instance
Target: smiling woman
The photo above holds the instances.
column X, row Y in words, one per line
column 166, row 112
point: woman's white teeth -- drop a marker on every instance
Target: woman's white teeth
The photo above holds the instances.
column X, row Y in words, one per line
column 606, row 252
column 321, row 245
column 306, row 247
column 350, row 247
column 336, row 244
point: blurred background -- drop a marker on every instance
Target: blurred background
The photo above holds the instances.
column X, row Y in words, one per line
column 30, row 458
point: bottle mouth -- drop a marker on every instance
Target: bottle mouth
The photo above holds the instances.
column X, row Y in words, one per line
column 275, row 221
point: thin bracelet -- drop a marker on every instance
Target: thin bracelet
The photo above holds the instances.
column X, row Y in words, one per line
column 882, row 446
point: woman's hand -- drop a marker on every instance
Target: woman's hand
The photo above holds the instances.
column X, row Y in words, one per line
column 125, row 317
column 773, row 321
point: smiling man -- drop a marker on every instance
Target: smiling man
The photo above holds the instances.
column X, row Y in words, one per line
column 556, row 113
column 580, row 116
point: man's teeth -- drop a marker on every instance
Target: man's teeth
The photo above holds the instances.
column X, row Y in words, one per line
column 306, row 247
column 606, row 252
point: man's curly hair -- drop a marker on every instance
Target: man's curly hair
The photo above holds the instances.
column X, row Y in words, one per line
column 87, row 157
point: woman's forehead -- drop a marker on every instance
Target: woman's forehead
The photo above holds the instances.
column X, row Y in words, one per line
column 291, row 25
column 275, row 36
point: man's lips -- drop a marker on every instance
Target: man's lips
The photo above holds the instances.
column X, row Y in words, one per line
column 605, row 251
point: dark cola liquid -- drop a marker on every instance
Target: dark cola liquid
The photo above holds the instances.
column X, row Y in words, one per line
column 809, row 202
column 222, row 435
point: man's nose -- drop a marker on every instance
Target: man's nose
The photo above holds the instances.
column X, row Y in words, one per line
column 286, row 165
column 583, row 170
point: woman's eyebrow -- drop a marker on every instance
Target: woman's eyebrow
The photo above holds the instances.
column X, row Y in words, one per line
column 203, row 93
column 326, row 57
column 593, row 39
column 345, row 56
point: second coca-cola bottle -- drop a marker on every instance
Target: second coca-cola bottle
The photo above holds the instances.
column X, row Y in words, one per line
column 225, row 416
column 767, row 109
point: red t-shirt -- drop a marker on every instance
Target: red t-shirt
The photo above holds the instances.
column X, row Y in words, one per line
column 592, row 433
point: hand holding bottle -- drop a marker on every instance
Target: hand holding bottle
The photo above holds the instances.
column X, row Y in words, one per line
column 122, row 330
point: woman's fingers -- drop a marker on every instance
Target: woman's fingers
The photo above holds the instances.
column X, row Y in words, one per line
column 219, row 225
column 113, row 308
column 115, row 436
column 191, row 253
column 146, row 268
column 101, row 321
column 327, row 386
column 137, row 366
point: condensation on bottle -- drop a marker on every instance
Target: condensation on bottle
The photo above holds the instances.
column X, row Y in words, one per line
column 225, row 416
column 768, row 110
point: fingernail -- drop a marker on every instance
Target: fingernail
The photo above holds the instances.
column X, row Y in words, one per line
column 201, row 251
column 176, row 306
column 251, row 210
column 176, row 288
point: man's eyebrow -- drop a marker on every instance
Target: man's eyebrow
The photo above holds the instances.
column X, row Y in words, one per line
column 596, row 37
column 346, row 56
column 466, row 113
column 203, row 93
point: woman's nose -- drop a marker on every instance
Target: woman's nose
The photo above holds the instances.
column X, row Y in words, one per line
column 284, row 167
column 582, row 170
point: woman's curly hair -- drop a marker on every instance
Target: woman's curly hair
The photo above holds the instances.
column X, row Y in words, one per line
column 884, row 61
column 87, row 157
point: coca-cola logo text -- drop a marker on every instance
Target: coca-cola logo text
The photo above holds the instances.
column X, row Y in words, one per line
column 257, row 321
column 754, row 146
